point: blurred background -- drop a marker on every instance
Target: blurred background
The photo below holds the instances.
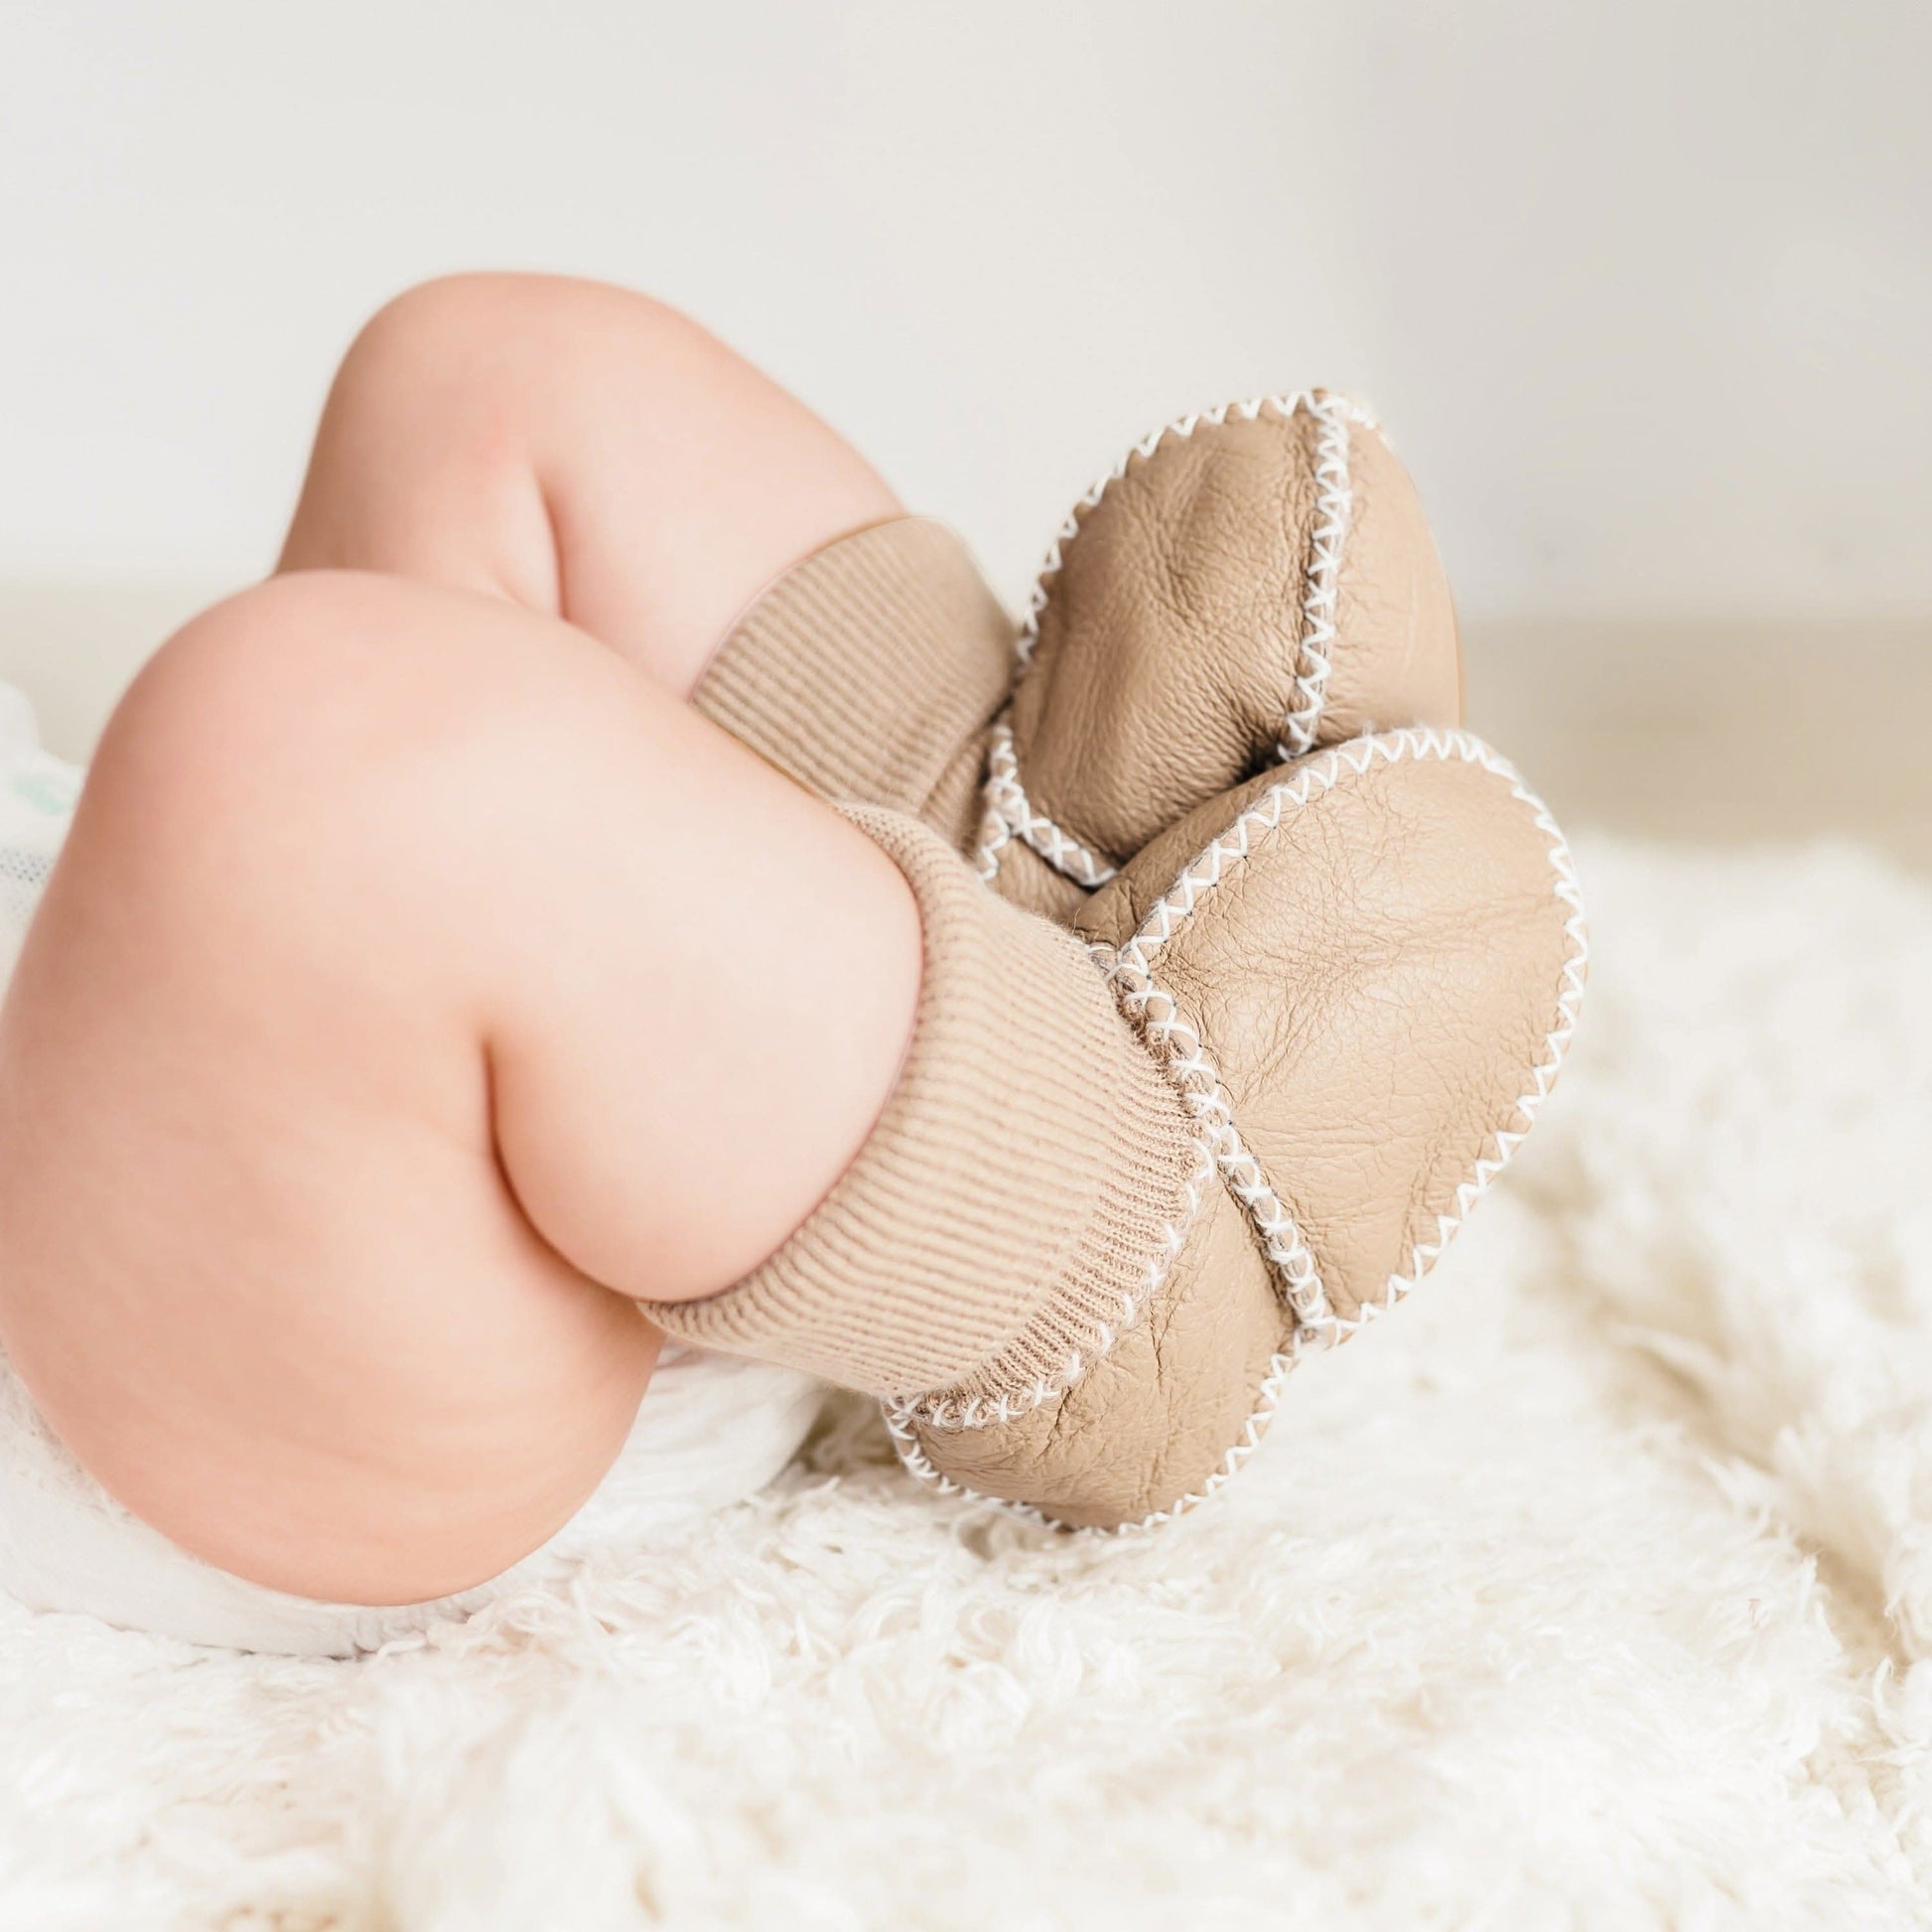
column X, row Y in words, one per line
column 1643, row 290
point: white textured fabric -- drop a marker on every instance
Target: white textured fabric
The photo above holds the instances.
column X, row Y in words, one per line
column 37, row 794
column 1593, row 1590
column 711, row 1429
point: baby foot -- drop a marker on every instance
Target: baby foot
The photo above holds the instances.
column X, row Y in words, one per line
column 1359, row 974
column 1243, row 587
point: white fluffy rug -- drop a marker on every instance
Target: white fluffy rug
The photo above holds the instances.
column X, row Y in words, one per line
column 1594, row 1590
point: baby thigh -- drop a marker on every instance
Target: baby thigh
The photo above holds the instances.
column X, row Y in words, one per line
column 350, row 1036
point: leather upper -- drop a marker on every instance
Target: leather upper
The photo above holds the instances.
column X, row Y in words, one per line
column 1173, row 643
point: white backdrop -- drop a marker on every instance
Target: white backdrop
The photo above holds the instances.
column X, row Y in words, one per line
column 1643, row 289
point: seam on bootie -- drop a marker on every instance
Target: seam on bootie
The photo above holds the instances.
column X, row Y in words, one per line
column 1010, row 814
column 1183, row 1056
column 1335, row 505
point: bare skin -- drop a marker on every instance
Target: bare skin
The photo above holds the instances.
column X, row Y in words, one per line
column 422, row 979
column 582, row 451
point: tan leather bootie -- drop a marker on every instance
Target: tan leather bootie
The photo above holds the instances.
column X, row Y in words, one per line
column 1246, row 585
column 1360, row 973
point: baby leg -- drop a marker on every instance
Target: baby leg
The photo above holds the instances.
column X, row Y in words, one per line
column 581, row 450
column 418, row 985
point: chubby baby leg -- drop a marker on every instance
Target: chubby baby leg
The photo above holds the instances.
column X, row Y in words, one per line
column 418, row 986
column 582, row 449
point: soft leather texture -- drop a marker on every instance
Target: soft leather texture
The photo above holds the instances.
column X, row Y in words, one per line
column 1396, row 659
column 1026, row 880
column 1374, row 982
column 1173, row 630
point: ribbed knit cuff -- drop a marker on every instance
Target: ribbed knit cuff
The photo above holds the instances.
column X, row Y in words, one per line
column 1016, row 1192
column 863, row 670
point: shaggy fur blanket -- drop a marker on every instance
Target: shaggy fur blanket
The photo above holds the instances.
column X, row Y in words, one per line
column 1593, row 1591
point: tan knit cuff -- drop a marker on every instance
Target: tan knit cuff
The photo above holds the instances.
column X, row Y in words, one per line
column 1017, row 1188
column 863, row 670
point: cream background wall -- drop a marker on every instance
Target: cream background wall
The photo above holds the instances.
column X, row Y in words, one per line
column 1644, row 289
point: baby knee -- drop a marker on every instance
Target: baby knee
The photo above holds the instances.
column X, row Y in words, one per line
column 276, row 735
column 363, row 738
column 233, row 699
column 436, row 327
column 482, row 336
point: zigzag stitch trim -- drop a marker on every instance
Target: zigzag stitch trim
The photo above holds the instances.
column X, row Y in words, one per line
column 1185, row 1058
column 1009, row 815
column 1335, row 505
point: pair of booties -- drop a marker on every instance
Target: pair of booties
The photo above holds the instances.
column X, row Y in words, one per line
column 1245, row 968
